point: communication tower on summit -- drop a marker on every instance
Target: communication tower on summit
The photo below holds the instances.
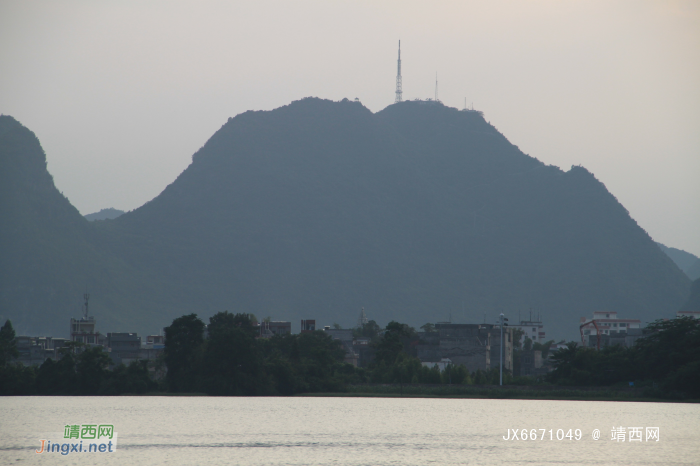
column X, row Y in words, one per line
column 399, row 90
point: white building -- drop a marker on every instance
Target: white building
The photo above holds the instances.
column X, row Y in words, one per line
column 607, row 323
column 83, row 330
column 693, row 314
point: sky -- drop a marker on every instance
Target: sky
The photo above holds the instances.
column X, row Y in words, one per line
column 122, row 93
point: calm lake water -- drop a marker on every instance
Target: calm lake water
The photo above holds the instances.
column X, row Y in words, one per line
column 348, row 431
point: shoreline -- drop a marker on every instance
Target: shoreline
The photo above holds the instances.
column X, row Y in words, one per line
column 494, row 392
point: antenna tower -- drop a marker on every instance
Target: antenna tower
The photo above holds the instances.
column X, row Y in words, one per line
column 399, row 90
column 436, row 88
column 87, row 297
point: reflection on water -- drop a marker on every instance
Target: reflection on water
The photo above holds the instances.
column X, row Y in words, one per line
column 350, row 431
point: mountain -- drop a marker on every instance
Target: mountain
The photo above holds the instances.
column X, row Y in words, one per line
column 104, row 214
column 416, row 212
column 318, row 208
column 49, row 253
column 687, row 262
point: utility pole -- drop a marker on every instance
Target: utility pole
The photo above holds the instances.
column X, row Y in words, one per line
column 399, row 85
column 501, row 366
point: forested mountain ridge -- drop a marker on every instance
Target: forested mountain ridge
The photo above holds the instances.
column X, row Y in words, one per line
column 419, row 211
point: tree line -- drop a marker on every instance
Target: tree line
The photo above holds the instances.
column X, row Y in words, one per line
column 665, row 362
column 232, row 361
column 79, row 371
column 225, row 358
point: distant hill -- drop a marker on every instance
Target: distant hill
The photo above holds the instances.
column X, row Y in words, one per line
column 104, row 214
column 318, row 208
column 693, row 272
column 685, row 261
column 693, row 303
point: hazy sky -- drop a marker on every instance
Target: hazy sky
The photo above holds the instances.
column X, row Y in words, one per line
column 122, row 93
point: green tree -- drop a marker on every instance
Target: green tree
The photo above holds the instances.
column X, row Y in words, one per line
column 455, row 375
column 369, row 330
column 574, row 365
column 396, row 339
column 223, row 321
column 320, row 355
column 543, row 347
column 183, row 345
column 517, row 337
column 133, row 378
column 66, row 378
column 47, row 378
column 564, row 362
column 517, row 360
column 17, row 379
column 307, row 362
column 320, row 348
column 287, row 380
column 480, row 377
column 8, row 344
column 91, row 370
column 670, row 355
column 233, row 363
column 428, row 328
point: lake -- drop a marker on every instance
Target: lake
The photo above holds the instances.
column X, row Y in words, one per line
column 349, row 431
